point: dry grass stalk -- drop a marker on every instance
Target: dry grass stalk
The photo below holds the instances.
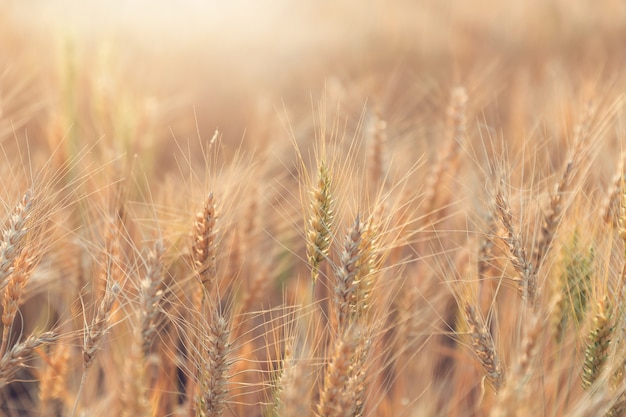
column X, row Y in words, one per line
column 13, row 360
column 377, row 153
column 203, row 249
column 527, row 279
column 214, row 369
column 456, row 115
column 320, row 223
column 611, row 203
column 622, row 235
column 250, row 296
column 484, row 348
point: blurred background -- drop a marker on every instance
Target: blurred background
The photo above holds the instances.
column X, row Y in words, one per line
column 164, row 70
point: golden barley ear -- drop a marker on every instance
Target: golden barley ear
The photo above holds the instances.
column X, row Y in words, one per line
column 342, row 392
column 526, row 278
column 346, row 288
column 203, row 248
column 13, row 360
column 320, row 224
column 355, row 274
column 292, row 381
column 14, row 235
column 554, row 215
column 21, row 271
column 484, row 348
column 53, row 392
column 513, row 399
column 151, row 295
column 214, row 367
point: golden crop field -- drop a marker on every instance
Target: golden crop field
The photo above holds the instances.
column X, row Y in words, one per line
column 273, row 208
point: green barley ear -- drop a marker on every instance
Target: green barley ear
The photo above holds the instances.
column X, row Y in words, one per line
column 598, row 343
column 574, row 284
column 321, row 215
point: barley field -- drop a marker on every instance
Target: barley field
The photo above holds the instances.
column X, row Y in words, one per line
column 379, row 208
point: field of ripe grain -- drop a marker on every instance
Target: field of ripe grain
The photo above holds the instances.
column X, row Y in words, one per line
column 381, row 208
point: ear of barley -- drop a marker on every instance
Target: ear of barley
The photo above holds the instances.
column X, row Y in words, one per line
column 14, row 358
column 598, row 341
column 95, row 332
column 553, row 217
column 214, row 369
column 151, row 294
column 293, row 381
column 484, row 348
column 203, row 250
column 134, row 394
column 527, row 277
column 346, row 288
column 574, row 285
column 336, row 397
column 21, row 271
column 320, row 223
column 53, row 392
column 369, row 264
column 354, row 276
column 13, row 235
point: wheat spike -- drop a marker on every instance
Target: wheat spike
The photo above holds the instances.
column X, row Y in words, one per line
column 204, row 244
column 527, row 279
column 484, row 348
column 596, row 353
column 214, row 372
column 319, row 231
